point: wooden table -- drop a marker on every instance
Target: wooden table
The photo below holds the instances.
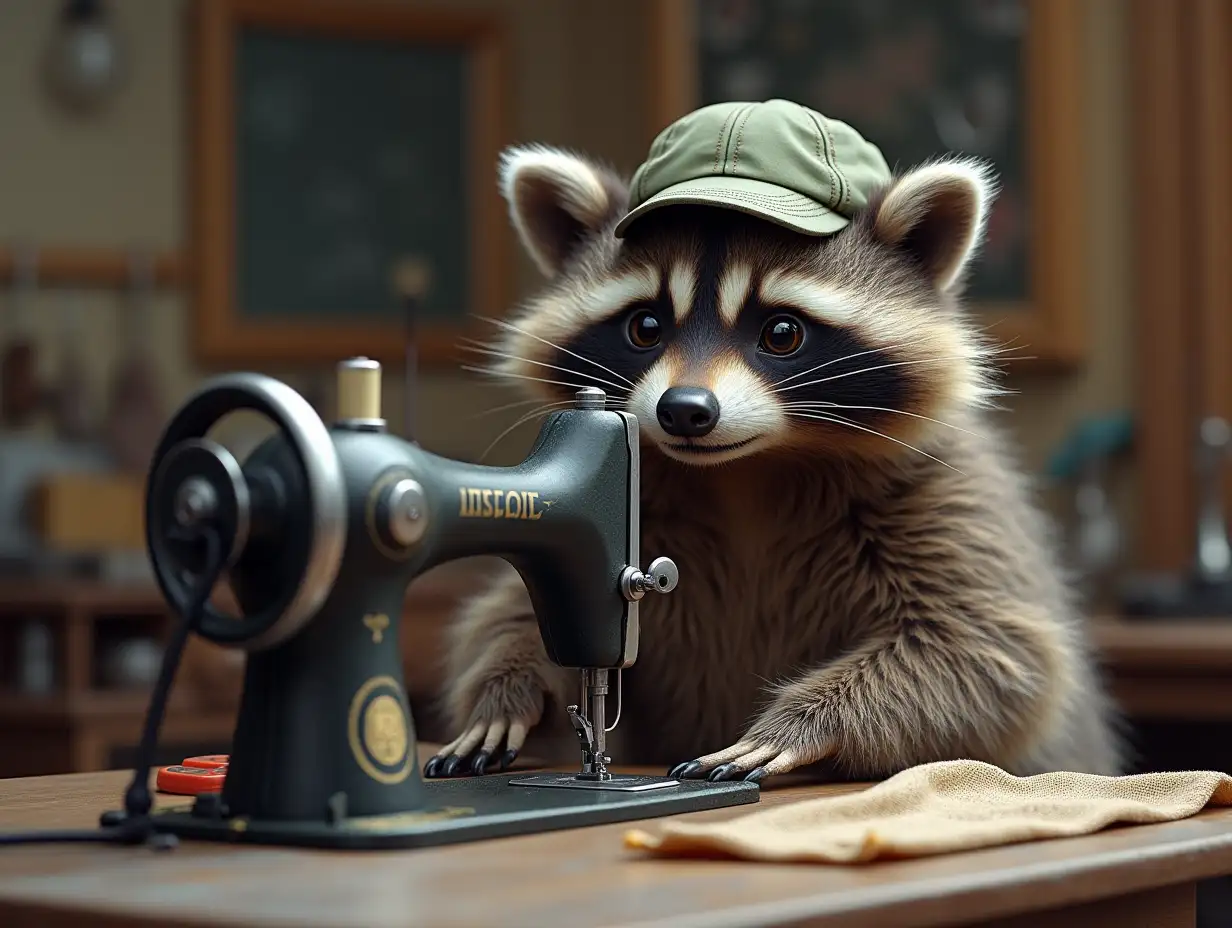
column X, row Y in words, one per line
column 1130, row 878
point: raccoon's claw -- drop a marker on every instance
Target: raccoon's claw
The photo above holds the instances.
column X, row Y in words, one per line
column 682, row 771
column 471, row 754
column 747, row 760
column 433, row 765
column 479, row 765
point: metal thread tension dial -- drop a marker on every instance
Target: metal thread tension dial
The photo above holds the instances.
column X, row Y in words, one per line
column 661, row 577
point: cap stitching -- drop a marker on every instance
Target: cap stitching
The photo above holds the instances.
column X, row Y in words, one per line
column 846, row 184
column 768, row 197
column 824, row 139
column 718, row 143
column 731, row 133
column 740, row 140
column 667, row 140
column 814, row 209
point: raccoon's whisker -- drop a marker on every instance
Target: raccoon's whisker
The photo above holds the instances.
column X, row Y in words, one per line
column 555, row 367
column 536, row 413
column 878, row 367
column 1010, row 346
column 835, row 361
column 495, row 373
column 838, row 420
column 612, row 402
column 1006, row 347
column 514, row 328
column 504, row 406
column 821, row 406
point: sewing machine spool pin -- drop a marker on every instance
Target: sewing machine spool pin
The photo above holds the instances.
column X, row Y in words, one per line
column 322, row 528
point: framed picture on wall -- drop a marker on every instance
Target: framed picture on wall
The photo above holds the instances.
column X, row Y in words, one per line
column 998, row 79
column 336, row 144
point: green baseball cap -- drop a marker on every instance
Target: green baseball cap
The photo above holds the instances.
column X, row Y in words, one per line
column 775, row 159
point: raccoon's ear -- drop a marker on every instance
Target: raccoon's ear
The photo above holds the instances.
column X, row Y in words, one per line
column 556, row 199
column 937, row 213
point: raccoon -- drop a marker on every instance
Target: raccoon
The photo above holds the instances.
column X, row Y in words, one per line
column 865, row 581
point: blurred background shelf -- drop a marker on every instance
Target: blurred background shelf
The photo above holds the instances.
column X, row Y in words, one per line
column 77, row 717
column 1169, row 669
column 95, row 268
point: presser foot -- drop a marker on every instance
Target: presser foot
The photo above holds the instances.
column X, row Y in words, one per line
column 614, row 782
column 594, row 774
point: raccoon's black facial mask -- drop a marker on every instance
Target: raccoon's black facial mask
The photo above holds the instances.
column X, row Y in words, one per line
column 737, row 368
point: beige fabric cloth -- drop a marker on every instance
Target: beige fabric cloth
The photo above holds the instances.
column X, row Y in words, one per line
column 940, row 808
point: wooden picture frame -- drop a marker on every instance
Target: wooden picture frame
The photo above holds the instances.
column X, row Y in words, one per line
column 1048, row 324
column 227, row 333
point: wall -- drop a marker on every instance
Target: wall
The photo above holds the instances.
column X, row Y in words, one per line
column 580, row 79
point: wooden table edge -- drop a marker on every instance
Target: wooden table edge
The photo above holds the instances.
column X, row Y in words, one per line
column 925, row 901
column 897, row 906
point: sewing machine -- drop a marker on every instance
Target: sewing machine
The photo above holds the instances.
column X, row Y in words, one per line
column 320, row 531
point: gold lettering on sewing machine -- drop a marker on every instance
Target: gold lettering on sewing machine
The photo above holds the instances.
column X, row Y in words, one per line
column 481, row 503
column 377, row 624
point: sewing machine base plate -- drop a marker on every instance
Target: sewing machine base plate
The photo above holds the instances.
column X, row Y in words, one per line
column 467, row 809
column 620, row 782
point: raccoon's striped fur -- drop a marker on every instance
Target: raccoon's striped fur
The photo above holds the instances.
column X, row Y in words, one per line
column 864, row 580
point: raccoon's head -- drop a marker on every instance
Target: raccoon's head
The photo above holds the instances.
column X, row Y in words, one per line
column 728, row 335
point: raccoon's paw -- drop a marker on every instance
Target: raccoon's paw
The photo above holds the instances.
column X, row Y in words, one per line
column 753, row 759
column 460, row 758
column 507, row 710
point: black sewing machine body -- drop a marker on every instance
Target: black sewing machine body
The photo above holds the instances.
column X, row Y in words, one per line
column 326, row 529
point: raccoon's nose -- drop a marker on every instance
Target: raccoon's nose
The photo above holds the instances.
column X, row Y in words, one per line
column 688, row 412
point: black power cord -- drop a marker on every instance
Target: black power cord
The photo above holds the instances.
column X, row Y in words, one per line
column 134, row 825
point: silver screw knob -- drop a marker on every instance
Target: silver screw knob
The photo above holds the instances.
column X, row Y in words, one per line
column 408, row 511
column 589, row 398
column 661, row 577
column 664, row 573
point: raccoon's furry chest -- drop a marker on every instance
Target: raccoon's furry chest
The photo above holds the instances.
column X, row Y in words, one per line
column 760, row 598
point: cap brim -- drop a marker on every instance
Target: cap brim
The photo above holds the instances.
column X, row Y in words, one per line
column 754, row 197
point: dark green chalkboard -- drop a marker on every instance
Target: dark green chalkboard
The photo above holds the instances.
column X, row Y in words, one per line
column 919, row 78
column 350, row 155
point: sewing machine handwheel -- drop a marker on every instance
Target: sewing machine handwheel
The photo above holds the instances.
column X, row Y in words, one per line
column 281, row 586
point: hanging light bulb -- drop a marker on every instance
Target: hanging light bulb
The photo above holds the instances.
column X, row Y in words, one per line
column 83, row 60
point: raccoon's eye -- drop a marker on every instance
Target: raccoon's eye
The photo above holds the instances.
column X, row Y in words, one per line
column 644, row 329
column 781, row 336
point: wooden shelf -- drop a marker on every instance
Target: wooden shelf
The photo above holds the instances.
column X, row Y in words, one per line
column 1166, row 645
column 95, row 268
column 1168, row 669
column 35, row 709
column 78, row 725
column 60, row 597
